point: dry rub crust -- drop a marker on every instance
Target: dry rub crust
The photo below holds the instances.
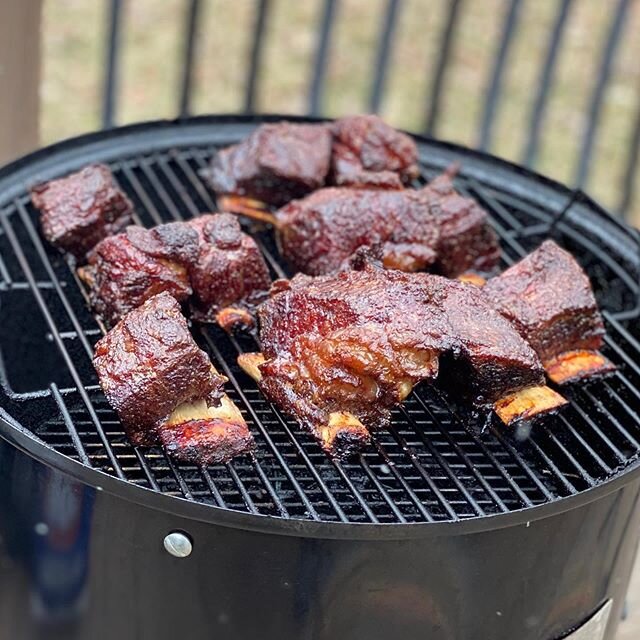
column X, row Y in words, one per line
column 283, row 161
column 208, row 261
column 230, row 276
column 319, row 233
column 367, row 152
column 356, row 342
column 467, row 242
column 126, row 269
column 434, row 228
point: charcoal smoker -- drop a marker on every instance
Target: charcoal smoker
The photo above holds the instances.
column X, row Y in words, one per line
column 438, row 530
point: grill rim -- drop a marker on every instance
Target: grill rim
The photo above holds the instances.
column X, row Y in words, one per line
column 15, row 434
column 110, row 145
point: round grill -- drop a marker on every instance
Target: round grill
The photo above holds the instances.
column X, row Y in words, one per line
column 436, row 463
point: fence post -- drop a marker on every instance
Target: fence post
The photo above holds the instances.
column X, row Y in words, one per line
column 19, row 76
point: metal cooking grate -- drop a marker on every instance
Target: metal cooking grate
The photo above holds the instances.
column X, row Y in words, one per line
column 433, row 465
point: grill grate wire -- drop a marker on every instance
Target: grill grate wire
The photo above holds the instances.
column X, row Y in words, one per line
column 432, row 465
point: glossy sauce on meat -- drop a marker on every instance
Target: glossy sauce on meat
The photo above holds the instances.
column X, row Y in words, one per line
column 320, row 232
column 274, row 164
column 548, row 298
column 78, row 211
column 126, row 269
column 229, row 270
column 149, row 364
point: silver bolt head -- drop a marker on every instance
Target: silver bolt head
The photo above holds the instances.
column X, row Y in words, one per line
column 178, row 544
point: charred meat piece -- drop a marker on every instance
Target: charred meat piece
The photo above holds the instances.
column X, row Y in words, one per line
column 434, row 228
column 165, row 389
column 488, row 363
column 149, row 364
column 229, row 277
column 486, row 359
column 78, row 211
column 548, row 298
column 366, row 151
column 317, row 234
column 275, row 164
column 467, row 241
column 373, row 180
column 340, row 351
column 280, row 162
column 126, row 269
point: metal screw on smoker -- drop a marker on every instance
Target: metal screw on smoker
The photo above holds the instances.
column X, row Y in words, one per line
column 178, row 544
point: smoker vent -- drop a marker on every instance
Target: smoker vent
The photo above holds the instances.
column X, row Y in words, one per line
column 434, row 464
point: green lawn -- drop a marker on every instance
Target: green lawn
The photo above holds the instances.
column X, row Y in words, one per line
column 74, row 60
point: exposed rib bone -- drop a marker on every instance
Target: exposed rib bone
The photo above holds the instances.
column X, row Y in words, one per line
column 473, row 278
column 343, row 435
column 248, row 207
column 232, row 318
column 250, row 363
column 576, row 365
column 86, row 275
column 197, row 432
column 528, row 403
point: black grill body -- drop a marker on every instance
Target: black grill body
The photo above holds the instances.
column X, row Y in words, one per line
column 106, row 574
column 440, row 531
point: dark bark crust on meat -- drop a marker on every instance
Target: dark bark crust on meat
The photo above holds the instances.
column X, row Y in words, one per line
column 229, row 272
column 366, row 151
column 78, row 211
column 548, row 298
column 208, row 261
column 434, row 228
column 127, row 269
column 280, row 162
column 319, row 233
column 467, row 241
column 148, row 364
column 149, row 367
column 372, row 162
column 275, row 164
column 357, row 341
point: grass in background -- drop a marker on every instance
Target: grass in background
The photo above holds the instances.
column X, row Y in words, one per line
column 74, row 33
